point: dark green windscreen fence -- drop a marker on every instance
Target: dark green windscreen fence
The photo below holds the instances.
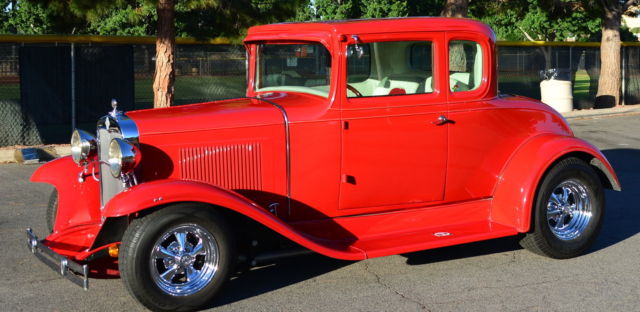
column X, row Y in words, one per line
column 36, row 90
column 520, row 66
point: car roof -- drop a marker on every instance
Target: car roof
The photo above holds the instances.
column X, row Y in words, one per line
column 362, row 26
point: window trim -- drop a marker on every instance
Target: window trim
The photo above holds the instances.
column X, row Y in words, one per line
column 406, row 100
column 484, row 86
column 254, row 90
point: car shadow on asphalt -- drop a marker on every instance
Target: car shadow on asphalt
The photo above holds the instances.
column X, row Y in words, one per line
column 271, row 277
column 622, row 216
column 622, row 220
column 493, row 246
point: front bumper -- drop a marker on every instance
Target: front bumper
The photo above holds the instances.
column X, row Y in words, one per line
column 73, row 271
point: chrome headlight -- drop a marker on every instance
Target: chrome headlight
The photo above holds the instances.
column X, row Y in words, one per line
column 123, row 157
column 83, row 146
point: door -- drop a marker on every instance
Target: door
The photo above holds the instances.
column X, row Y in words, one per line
column 394, row 134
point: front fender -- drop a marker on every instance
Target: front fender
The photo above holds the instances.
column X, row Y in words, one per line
column 514, row 195
column 78, row 202
column 161, row 192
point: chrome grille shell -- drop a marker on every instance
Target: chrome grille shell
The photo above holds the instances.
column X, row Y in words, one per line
column 114, row 125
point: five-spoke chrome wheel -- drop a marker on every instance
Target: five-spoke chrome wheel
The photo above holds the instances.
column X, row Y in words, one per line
column 177, row 258
column 184, row 260
column 569, row 210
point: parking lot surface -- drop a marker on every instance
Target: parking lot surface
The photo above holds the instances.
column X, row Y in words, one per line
column 494, row 275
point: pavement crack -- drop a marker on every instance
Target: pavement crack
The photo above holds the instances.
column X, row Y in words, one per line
column 380, row 282
column 512, row 286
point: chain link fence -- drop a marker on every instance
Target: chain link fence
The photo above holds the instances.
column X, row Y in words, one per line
column 520, row 70
column 16, row 127
column 46, row 90
column 203, row 73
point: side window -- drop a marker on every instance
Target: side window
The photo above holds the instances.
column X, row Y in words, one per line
column 358, row 67
column 389, row 68
column 465, row 65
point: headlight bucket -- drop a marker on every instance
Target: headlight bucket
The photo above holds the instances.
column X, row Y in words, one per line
column 123, row 157
column 83, row 146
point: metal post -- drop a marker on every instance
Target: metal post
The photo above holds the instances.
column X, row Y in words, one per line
column 624, row 73
column 571, row 77
column 73, row 86
column 571, row 64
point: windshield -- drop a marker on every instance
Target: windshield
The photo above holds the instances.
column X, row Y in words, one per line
column 303, row 67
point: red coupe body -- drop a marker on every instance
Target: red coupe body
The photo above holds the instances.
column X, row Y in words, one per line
column 423, row 154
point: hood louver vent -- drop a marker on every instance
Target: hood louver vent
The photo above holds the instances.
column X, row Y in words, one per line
column 236, row 166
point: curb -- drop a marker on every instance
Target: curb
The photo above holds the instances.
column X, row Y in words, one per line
column 7, row 155
column 623, row 110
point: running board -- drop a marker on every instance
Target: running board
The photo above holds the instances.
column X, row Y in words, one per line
column 430, row 238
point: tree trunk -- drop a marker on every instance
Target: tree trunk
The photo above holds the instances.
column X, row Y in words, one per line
column 609, row 83
column 457, row 57
column 455, row 8
column 165, row 53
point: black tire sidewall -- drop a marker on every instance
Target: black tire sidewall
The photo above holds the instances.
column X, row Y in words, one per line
column 578, row 170
column 138, row 274
column 52, row 210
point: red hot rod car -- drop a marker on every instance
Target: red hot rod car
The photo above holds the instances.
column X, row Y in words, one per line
column 356, row 139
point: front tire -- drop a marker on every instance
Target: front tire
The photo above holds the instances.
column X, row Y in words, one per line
column 177, row 258
column 52, row 210
column 568, row 211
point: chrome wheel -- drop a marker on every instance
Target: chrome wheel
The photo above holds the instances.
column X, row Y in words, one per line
column 184, row 260
column 569, row 210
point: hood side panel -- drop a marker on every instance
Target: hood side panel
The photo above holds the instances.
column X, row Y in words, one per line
column 248, row 160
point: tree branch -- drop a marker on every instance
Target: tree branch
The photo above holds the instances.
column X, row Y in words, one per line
column 526, row 34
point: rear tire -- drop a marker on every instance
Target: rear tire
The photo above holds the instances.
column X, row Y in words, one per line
column 177, row 258
column 52, row 210
column 568, row 211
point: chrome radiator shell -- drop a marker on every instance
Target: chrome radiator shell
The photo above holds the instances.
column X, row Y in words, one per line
column 114, row 125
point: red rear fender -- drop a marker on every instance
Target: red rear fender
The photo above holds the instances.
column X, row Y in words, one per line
column 517, row 184
column 162, row 192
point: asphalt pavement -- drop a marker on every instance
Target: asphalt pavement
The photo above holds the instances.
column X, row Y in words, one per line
column 494, row 275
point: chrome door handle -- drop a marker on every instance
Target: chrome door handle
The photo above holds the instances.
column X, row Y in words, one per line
column 441, row 120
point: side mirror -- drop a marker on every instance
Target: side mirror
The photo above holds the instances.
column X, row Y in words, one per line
column 359, row 49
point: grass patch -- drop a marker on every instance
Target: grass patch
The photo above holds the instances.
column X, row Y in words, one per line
column 10, row 91
column 193, row 89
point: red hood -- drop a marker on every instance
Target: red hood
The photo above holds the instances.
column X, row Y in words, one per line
column 243, row 112
column 205, row 116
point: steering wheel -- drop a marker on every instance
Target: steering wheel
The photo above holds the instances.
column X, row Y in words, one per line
column 354, row 90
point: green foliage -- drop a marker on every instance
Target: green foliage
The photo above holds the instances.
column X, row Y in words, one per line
column 194, row 18
column 29, row 18
column 425, row 7
column 552, row 20
column 315, row 10
column 329, row 10
column 546, row 20
column 384, row 8
column 137, row 19
column 230, row 18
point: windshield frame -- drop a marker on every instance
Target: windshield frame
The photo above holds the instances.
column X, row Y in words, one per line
column 257, row 72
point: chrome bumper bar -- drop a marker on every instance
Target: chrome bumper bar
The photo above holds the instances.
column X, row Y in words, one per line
column 73, row 271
